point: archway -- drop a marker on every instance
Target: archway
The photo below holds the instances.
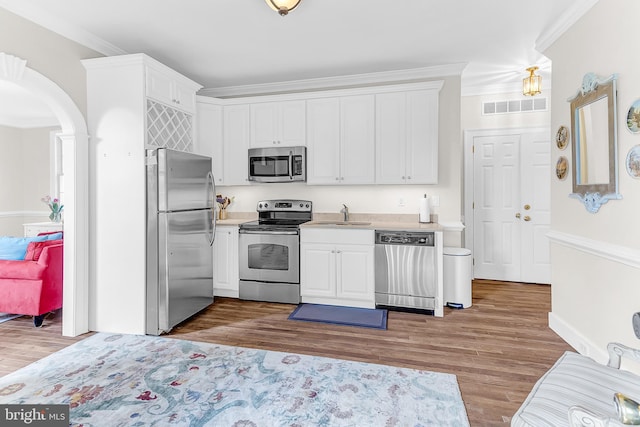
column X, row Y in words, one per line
column 75, row 315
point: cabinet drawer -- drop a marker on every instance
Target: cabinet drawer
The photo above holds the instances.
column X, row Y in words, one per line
column 338, row 237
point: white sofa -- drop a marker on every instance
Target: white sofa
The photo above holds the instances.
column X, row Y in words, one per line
column 577, row 391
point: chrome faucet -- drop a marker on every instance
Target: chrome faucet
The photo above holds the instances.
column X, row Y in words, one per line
column 345, row 212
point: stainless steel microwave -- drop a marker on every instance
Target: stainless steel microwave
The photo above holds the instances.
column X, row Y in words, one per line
column 278, row 164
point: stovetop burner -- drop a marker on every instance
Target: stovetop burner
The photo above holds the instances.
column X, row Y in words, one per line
column 280, row 214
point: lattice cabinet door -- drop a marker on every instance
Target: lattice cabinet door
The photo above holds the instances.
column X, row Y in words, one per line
column 168, row 128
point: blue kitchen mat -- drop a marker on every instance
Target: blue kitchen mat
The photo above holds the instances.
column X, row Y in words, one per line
column 337, row 315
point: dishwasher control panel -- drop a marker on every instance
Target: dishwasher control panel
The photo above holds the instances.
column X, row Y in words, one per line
column 410, row 238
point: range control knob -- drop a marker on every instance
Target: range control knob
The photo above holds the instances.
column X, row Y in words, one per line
column 266, row 205
column 307, row 205
column 300, row 204
column 259, row 205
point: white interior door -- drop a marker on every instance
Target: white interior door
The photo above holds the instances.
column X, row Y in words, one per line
column 535, row 207
column 496, row 175
column 509, row 198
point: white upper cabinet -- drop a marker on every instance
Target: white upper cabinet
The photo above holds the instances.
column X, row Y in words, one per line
column 340, row 140
column 236, row 144
column 278, row 124
column 208, row 138
column 170, row 88
column 407, row 137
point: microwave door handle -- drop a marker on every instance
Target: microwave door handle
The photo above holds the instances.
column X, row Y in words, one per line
column 291, row 165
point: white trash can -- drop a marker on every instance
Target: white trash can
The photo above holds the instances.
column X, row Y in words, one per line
column 457, row 266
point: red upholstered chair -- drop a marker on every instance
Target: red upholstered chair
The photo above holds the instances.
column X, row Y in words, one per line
column 33, row 286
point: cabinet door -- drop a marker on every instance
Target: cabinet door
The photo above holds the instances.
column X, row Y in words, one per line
column 354, row 273
column 391, row 138
column 225, row 262
column 323, row 141
column 422, row 137
column 357, row 147
column 264, row 124
column 317, row 270
column 278, row 123
column 208, row 141
column 236, row 144
column 159, row 86
column 184, row 97
column 293, row 123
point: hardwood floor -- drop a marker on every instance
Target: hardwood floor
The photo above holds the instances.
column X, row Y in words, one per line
column 498, row 348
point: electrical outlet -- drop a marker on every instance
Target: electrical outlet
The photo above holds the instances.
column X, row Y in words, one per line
column 435, row 201
column 401, row 202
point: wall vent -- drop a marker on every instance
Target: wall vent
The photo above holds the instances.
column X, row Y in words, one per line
column 514, row 106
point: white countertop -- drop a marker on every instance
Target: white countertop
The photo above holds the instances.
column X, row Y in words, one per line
column 373, row 222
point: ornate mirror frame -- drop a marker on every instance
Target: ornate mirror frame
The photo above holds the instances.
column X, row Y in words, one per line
column 594, row 189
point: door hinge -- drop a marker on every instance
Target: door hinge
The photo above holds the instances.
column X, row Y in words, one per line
column 473, row 149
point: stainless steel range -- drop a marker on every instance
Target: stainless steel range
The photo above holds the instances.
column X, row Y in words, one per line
column 270, row 251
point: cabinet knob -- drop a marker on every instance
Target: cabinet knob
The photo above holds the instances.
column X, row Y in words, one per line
column 527, row 207
column 337, row 178
column 403, row 177
column 518, row 215
column 527, row 218
column 408, row 177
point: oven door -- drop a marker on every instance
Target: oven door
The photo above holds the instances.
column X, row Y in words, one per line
column 269, row 256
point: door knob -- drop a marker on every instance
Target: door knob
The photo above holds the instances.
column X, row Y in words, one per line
column 518, row 215
column 527, row 218
column 527, row 207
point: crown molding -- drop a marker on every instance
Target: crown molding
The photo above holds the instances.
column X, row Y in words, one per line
column 354, row 80
column 564, row 22
column 62, row 27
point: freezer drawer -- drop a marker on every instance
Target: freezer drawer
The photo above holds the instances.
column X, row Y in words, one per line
column 183, row 270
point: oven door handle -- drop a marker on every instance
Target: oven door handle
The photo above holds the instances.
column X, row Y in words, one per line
column 288, row 233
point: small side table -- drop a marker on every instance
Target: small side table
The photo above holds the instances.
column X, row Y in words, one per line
column 35, row 228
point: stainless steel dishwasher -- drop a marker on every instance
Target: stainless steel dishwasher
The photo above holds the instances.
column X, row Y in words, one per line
column 406, row 271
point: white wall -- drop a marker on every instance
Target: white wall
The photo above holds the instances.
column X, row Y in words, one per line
column 24, row 172
column 596, row 261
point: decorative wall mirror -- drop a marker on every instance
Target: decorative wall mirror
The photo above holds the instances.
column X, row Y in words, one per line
column 594, row 138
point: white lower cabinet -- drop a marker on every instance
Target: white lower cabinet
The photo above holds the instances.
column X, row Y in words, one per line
column 336, row 267
column 225, row 262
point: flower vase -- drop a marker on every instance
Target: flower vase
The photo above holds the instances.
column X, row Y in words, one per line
column 222, row 214
column 56, row 217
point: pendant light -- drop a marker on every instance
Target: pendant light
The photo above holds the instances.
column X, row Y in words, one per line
column 283, row 7
column 532, row 85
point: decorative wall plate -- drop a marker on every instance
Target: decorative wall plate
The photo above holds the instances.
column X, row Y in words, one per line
column 562, row 137
column 562, row 167
column 633, row 117
column 633, row 162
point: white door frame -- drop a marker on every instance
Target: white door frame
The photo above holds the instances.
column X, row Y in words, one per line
column 469, row 135
column 75, row 149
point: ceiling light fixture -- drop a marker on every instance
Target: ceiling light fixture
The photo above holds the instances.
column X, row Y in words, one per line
column 283, row 7
column 532, row 85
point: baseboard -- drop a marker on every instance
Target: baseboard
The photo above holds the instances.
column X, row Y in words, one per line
column 576, row 340
column 225, row 293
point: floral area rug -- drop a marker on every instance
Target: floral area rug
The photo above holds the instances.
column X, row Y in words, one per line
column 129, row 380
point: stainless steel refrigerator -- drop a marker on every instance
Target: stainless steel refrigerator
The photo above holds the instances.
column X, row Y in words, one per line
column 180, row 232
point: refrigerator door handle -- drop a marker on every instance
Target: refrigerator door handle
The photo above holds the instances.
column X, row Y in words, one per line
column 212, row 236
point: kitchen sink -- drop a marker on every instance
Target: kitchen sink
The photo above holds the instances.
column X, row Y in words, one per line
column 343, row 223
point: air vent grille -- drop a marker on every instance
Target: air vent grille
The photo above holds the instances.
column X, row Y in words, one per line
column 514, row 106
